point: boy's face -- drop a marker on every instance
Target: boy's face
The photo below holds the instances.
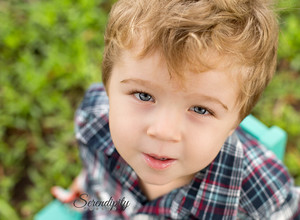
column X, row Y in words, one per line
column 153, row 116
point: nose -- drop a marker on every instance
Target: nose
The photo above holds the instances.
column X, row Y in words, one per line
column 166, row 126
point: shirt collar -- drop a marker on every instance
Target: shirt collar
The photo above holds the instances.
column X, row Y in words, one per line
column 215, row 190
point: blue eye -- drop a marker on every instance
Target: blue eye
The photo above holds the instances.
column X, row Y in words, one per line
column 145, row 97
column 200, row 110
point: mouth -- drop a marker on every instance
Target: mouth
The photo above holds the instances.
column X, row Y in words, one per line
column 158, row 162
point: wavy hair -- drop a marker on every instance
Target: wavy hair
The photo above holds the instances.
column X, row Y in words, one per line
column 242, row 35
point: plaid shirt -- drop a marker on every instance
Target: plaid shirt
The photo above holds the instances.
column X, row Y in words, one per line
column 244, row 181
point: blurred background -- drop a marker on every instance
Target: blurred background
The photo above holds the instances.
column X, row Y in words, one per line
column 50, row 52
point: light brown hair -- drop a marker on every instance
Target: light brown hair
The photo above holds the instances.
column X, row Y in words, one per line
column 243, row 34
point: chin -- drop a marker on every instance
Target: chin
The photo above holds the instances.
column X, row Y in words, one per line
column 155, row 179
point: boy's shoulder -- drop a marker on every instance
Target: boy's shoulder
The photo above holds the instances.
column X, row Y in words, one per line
column 95, row 100
column 91, row 118
column 267, row 186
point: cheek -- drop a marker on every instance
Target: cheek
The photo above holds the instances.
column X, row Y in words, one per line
column 204, row 145
column 204, row 150
column 122, row 116
column 124, row 124
column 118, row 125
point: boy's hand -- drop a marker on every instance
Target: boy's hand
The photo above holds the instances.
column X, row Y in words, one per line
column 67, row 196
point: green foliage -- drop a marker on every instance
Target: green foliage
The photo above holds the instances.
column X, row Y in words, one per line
column 50, row 52
column 7, row 211
column 289, row 41
column 280, row 103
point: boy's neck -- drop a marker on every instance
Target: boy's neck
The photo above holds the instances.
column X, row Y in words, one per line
column 153, row 191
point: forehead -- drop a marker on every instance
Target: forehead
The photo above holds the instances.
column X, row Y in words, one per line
column 183, row 73
column 153, row 70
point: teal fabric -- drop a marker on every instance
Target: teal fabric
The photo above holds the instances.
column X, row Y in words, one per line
column 57, row 211
column 273, row 138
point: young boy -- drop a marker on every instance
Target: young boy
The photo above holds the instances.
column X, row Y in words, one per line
column 160, row 138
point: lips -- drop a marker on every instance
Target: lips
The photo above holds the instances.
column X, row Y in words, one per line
column 158, row 162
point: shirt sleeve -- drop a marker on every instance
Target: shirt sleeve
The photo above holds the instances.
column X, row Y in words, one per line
column 91, row 122
column 268, row 191
column 91, row 116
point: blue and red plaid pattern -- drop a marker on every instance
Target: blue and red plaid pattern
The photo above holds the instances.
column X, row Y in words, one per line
column 244, row 181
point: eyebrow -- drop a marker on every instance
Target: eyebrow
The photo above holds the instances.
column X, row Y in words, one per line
column 151, row 84
column 141, row 82
column 213, row 99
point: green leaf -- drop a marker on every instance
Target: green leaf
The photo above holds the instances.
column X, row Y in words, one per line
column 7, row 211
